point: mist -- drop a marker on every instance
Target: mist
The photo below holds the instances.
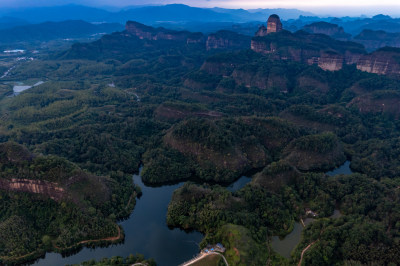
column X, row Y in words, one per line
column 325, row 9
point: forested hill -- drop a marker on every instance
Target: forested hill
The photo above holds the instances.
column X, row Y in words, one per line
column 205, row 116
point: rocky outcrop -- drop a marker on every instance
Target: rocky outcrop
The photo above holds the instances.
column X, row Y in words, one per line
column 373, row 40
column 262, row 31
column 227, row 40
column 274, row 24
column 149, row 33
column 49, row 189
column 331, row 61
column 384, row 61
column 332, row 30
column 311, row 49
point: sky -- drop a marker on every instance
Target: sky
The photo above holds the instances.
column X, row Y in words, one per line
column 320, row 7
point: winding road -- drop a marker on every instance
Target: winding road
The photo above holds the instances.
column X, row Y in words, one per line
column 304, row 251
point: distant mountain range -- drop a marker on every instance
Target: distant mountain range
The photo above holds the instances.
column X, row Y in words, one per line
column 353, row 26
column 55, row 30
column 27, row 24
column 176, row 13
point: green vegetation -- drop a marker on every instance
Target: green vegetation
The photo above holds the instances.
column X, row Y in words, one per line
column 117, row 260
column 191, row 114
column 69, row 207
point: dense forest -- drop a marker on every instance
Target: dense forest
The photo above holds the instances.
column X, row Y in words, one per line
column 206, row 117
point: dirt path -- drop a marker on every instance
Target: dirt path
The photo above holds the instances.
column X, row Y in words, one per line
column 111, row 238
column 18, row 258
column 304, row 251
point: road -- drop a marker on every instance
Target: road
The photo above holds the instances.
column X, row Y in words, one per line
column 304, row 251
column 111, row 238
column 201, row 256
column 7, row 72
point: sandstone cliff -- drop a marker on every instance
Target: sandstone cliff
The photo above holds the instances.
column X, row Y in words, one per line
column 383, row 61
column 50, row 189
column 311, row 49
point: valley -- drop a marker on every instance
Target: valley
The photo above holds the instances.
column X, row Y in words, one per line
column 237, row 140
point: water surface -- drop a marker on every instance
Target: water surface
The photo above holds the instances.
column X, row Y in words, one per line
column 344, row 169
column 286, row 245
column 238, row 184
column 146, row 232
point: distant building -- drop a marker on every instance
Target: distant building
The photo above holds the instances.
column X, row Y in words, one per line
column 219, row 247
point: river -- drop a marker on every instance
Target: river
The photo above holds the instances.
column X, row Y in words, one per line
column 344, row 169
column 146, row 232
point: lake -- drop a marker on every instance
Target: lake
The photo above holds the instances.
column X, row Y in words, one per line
column 146, row 232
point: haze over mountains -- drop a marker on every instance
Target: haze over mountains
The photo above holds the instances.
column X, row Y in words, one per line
column 22, row 22
column 146, row 14
column 206, row 95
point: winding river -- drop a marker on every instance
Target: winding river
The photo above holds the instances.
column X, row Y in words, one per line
column 146, row 231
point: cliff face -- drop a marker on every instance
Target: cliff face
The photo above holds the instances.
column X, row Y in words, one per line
column 49, row 189
column 384, row 61
column 228, row 40
column 331, row 61
column 274, row 24
column 373, row 40
column 307, row 48
column 149, row 33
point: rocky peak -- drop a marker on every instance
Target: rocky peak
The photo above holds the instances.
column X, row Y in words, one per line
column 274, row 24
